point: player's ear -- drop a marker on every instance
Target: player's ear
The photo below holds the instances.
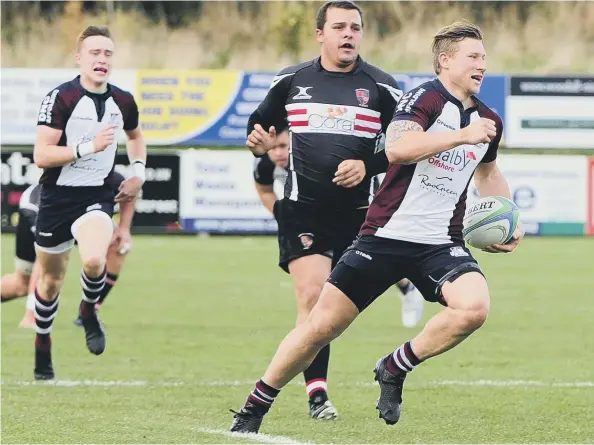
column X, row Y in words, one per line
column 77, row 58
column 444, row 60
column 320, row 36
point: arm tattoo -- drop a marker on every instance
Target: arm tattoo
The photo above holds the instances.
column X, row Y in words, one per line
column 397, row 128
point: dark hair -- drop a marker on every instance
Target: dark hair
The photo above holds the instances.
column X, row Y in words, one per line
column 341, row 4
column 91, row 31
column 282, row 127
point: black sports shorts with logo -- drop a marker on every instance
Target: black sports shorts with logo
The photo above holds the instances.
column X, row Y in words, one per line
column 25, row 236
column 61, row 206
column 306, row 229
column 373, row 264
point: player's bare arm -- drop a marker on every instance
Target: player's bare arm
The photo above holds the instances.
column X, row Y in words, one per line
column 490, row 181
column 136, row 146
column 407, row 143
column 137, row 155
column 260, row 141
column 122, row 239
column 267, row 196
column 47, row 153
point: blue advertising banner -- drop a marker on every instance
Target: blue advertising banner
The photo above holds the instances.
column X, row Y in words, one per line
column 211, row 107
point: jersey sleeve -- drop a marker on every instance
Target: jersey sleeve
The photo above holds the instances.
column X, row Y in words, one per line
column 114, row 180
column 127, row 105
column 272, row 109
column 390, row 95
column 418, row 105
column 491, row 153
column 131, row 115
column 53, row 111
column 264, row 170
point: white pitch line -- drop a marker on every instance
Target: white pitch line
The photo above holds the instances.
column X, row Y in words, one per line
column 237, row 383
column 264, row 438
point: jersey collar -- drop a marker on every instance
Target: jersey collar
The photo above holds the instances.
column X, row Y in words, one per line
column 359, row 63
column 439, row 86
column 104, row 95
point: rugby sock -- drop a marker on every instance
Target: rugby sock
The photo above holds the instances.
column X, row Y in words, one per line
column 45, row 313
column 262, row 397
column 91, row 292
column 402, row 359
column 405, row 288
column 110, row 282
column 317, row 373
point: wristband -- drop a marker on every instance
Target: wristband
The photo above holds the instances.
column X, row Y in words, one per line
column 138, row 170
column 84, row 149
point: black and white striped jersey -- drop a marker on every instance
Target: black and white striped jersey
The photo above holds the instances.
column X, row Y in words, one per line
column 80, row 115
column 333, row 116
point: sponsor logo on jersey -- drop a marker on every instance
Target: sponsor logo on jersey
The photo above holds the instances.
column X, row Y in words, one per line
column 439, row 185
column 456, row 159
column 362, row 96
column 334, row 119
column 302, row 94
column 47, row 106
column 408, row 100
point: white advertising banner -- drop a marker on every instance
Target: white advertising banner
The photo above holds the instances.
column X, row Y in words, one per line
column 23, row 90
column 551, row 191
column 218, row 195
column 550, row 112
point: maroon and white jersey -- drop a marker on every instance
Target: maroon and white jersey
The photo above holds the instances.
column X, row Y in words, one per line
column 80, row 115
column 425, row 202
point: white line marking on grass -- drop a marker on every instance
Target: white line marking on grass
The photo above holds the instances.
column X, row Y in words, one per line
column 237, row 383
column 264, row 438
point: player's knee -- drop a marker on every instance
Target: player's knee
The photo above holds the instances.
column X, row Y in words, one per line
column 49, row 285
column 94, row 265
column 475, row 312
column 308, row 295
column 321, row 331
column 323, row 327
column 21, row 283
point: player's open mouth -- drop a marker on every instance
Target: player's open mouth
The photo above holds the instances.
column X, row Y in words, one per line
column 477, row 77
column 101, row 70
column 347, row 46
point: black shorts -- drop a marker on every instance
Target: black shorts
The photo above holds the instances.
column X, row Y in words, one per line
column 372, row 264
column 25, row 239
column 60, row 207
column 309, row 230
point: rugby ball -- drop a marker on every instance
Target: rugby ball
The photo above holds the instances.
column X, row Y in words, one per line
column 490, row 220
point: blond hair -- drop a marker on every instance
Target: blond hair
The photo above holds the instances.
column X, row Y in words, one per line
column 91, row 31
column 446, row 38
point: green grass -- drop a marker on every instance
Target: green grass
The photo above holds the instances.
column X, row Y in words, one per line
column 197, row 311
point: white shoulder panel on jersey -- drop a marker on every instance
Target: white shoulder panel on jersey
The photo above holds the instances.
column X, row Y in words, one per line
column 395, row 92
column 278, row 78
column 25, row 202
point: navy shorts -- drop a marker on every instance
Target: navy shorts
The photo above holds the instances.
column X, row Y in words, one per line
column 373, row 264
column 60, row 207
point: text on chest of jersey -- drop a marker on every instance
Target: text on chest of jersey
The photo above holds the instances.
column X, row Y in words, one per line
column 334, row 119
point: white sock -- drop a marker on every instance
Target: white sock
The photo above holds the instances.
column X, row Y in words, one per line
column 30, row 302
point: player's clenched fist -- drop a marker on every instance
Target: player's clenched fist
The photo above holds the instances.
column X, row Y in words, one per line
column 481, row 130
column 104, row 138
column 261, row 141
